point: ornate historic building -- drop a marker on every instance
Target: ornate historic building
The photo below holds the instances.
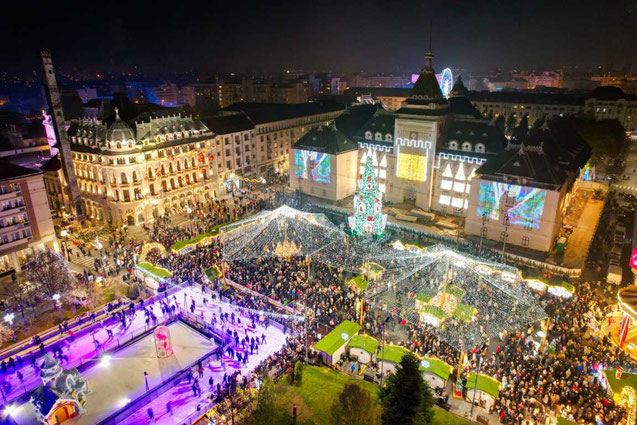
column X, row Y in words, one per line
column 440, row 154
column 132, row 172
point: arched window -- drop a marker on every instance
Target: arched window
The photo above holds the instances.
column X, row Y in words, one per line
column 378, row 137
column 361, row 208
column 123, row 178
column 453, row 145
column 525, row 241
column 119, row 145
column 388, row 137
column 480, row 148
column 466, row 146
column 368, row 135
column 503, row 235
column 483, row 232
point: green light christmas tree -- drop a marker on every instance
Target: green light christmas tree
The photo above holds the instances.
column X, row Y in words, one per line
column 367, row 219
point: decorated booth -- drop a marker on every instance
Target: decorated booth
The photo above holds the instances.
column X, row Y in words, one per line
column 435, row 371
column 62, row 396
column 486, row 390
column 332, row 346
column 363, row 348
column 389, row 357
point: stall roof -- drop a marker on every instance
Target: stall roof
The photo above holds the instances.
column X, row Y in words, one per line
column 364, row 342
column 392, row 353
column 436, row 366
column 335, row 339
column 486, row 384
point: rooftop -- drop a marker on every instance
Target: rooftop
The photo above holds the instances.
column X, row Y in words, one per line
column 261, row 113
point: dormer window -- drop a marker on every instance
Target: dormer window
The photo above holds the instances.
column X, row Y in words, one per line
column 466, row 146
column 368, row 135
column 388, row 137
column 378, row 137
column 480, row 148
column 453, row 145
column 119, row 145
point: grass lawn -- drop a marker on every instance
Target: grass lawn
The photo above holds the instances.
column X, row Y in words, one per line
column 159, row 272
column 320, row 387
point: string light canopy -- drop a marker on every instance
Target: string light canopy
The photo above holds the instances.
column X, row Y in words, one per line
column 461, row 299
column 284, row 232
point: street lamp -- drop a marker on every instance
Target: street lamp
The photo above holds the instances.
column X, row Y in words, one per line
column 9, row 319
column 482, row 229
column 56, row 300
column 506, row 235
column 64, row 233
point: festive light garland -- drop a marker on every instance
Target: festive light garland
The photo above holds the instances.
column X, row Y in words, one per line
column 470, row 299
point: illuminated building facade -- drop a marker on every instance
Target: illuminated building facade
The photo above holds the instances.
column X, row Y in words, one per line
column 162, row 162
column 519, row 196
column 25, row 218
column 441, row 154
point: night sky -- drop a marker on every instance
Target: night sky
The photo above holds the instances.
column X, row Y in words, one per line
column 341, row 36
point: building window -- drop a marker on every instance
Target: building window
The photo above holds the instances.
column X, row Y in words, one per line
column 525, row 241
column 446, row 184
column 483, row 232
column 453, row 145
column 480, row 148
column 466, row 146
column 503, row 236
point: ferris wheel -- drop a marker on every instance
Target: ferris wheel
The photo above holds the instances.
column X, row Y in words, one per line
column 446, row 82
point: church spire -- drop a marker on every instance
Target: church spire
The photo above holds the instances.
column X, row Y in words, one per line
column 429, row 56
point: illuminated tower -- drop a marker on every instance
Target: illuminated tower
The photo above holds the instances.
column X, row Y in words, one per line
column 417, row 129
column 55, row 104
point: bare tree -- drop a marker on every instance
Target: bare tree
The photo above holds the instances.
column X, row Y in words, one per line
column 50, row 273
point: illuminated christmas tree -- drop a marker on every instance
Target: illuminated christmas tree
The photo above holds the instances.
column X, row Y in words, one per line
column 368, row 218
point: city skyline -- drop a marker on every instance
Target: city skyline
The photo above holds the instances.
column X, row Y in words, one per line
column 371, row 36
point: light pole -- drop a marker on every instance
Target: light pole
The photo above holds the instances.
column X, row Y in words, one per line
column 506, row 235
column 57, row 304
column 459, row 211
column 64, row 233
column 482, row 229
column 475, row 385
column 382, row 350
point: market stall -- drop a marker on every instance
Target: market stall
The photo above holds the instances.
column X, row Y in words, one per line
column 435, row 371
column 363, row 348
column 486, row 390
column 389, row 357
column 332, row 346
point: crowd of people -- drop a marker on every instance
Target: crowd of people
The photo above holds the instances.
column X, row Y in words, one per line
column 536, row 384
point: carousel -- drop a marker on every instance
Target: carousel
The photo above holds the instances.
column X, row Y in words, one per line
column 623, row 329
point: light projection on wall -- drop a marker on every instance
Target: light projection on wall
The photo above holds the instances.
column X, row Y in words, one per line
column 314, row 165
column 523, row 205
column 412, row 167
column 412, row 158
